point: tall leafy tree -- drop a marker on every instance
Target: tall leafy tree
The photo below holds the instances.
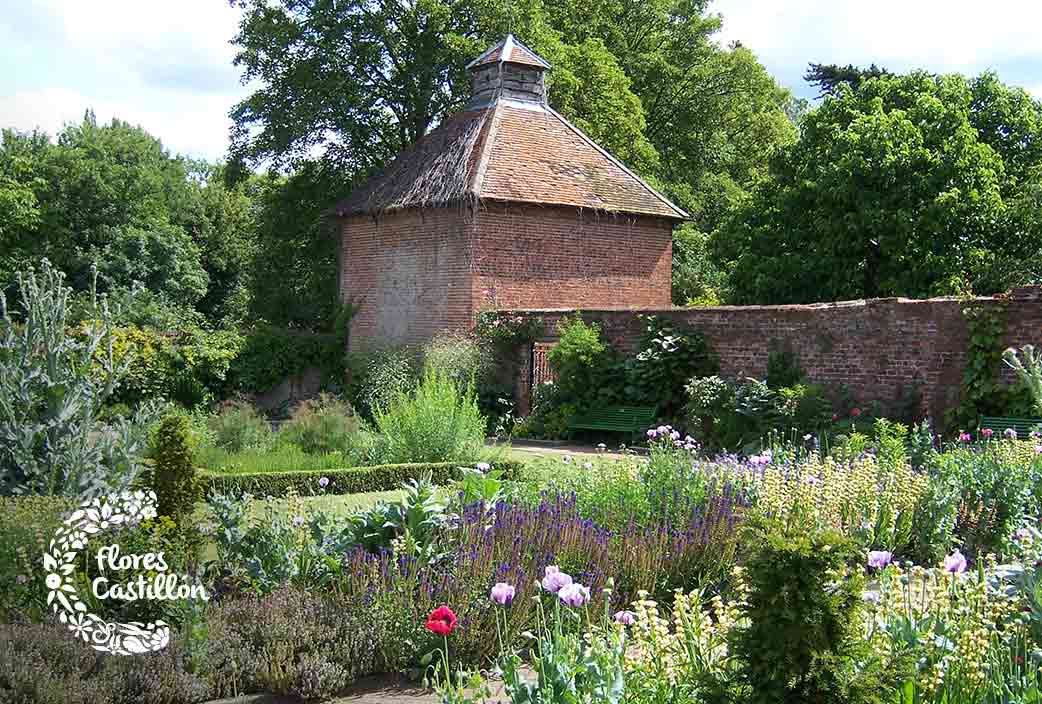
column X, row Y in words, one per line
column 350, row 83
column 111, row 195
column 829, row 77
column 905, row 185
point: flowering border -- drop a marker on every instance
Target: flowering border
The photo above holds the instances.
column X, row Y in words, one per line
column 92, row 517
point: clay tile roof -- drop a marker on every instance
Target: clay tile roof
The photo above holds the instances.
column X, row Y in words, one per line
column 536, row 156
column 510, row 50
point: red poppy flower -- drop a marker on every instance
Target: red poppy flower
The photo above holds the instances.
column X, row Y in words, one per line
column 441, row 621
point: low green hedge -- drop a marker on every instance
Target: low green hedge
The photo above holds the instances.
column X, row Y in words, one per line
column 357, row 480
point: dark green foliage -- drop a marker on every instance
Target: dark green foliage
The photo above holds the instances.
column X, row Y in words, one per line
column 270, row 355
column 174, row 480
column 667, row 356
column 783, row 367
column 804, row 643
column 829, row 77
column 698, row 279
column 295, row 282
column 111, row 195
column 911, row 185
column 341, row 481
column 735, row 415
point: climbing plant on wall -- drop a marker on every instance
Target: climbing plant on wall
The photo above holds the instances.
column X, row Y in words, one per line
column 983, row 391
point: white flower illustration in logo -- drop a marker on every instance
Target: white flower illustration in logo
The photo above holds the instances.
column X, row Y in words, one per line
column 89, row 519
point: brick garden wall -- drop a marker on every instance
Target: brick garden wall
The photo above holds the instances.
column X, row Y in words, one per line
column 874, row 347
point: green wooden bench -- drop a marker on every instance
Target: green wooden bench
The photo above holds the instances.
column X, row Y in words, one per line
column 998, row 425
column 619, row 419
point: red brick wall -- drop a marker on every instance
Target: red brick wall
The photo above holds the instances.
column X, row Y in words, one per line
column 535, row 256
column 410, row 273
column 416, row 273
column 873, row 347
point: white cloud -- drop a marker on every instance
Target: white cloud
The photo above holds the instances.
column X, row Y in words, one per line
column 164, row 65
column 939, row 36
column 197, row 126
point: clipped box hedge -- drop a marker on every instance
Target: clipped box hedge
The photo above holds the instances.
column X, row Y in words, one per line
column 356, row 480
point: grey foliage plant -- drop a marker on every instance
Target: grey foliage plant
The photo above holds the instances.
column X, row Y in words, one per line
column 53, row 385
column 1027, row 363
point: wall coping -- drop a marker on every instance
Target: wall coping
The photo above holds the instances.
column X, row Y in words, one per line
column 858, row 303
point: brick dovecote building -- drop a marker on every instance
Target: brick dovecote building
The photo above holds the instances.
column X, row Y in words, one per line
column 505, row 203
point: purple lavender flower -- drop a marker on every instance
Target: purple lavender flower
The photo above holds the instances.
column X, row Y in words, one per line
column 503, row 593
column 323, row 482
column 879, row 558
column 1010, row 433
column 574, row 595
column 554, row 579
column 483, row 466
column 964, row 437
column 626, row 618
column 298, row 521
column 955, row 563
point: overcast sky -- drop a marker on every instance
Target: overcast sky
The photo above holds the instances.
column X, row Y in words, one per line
column 166, row 65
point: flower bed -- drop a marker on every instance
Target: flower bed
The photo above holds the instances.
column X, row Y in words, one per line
column 784, row 576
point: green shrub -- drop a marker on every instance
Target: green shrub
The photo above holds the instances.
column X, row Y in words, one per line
column 804, row 641
column 668, row 356
column 377, row 376
column 270, row 355
column 783, row 367
column 239, row 427
column 440, row 421
column 578, row 360
column 322, row 426
column 458, row 356
column 356, row 480
column 27, row 523
column 174, row 480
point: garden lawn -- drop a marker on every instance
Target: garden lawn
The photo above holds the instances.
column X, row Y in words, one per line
column 282, row 458
column 339, row 505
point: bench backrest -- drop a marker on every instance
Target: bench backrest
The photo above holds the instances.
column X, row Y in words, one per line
column 998, row 424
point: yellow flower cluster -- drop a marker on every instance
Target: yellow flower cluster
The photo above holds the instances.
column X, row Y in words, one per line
column 687, row 646
column 964, row 631
column 863, row 498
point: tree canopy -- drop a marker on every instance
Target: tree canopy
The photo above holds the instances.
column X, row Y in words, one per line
column 910, row 185
column 110, row 195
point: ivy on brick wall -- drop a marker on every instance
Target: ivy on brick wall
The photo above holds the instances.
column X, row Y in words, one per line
column 272, row 354
column 983, row 391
